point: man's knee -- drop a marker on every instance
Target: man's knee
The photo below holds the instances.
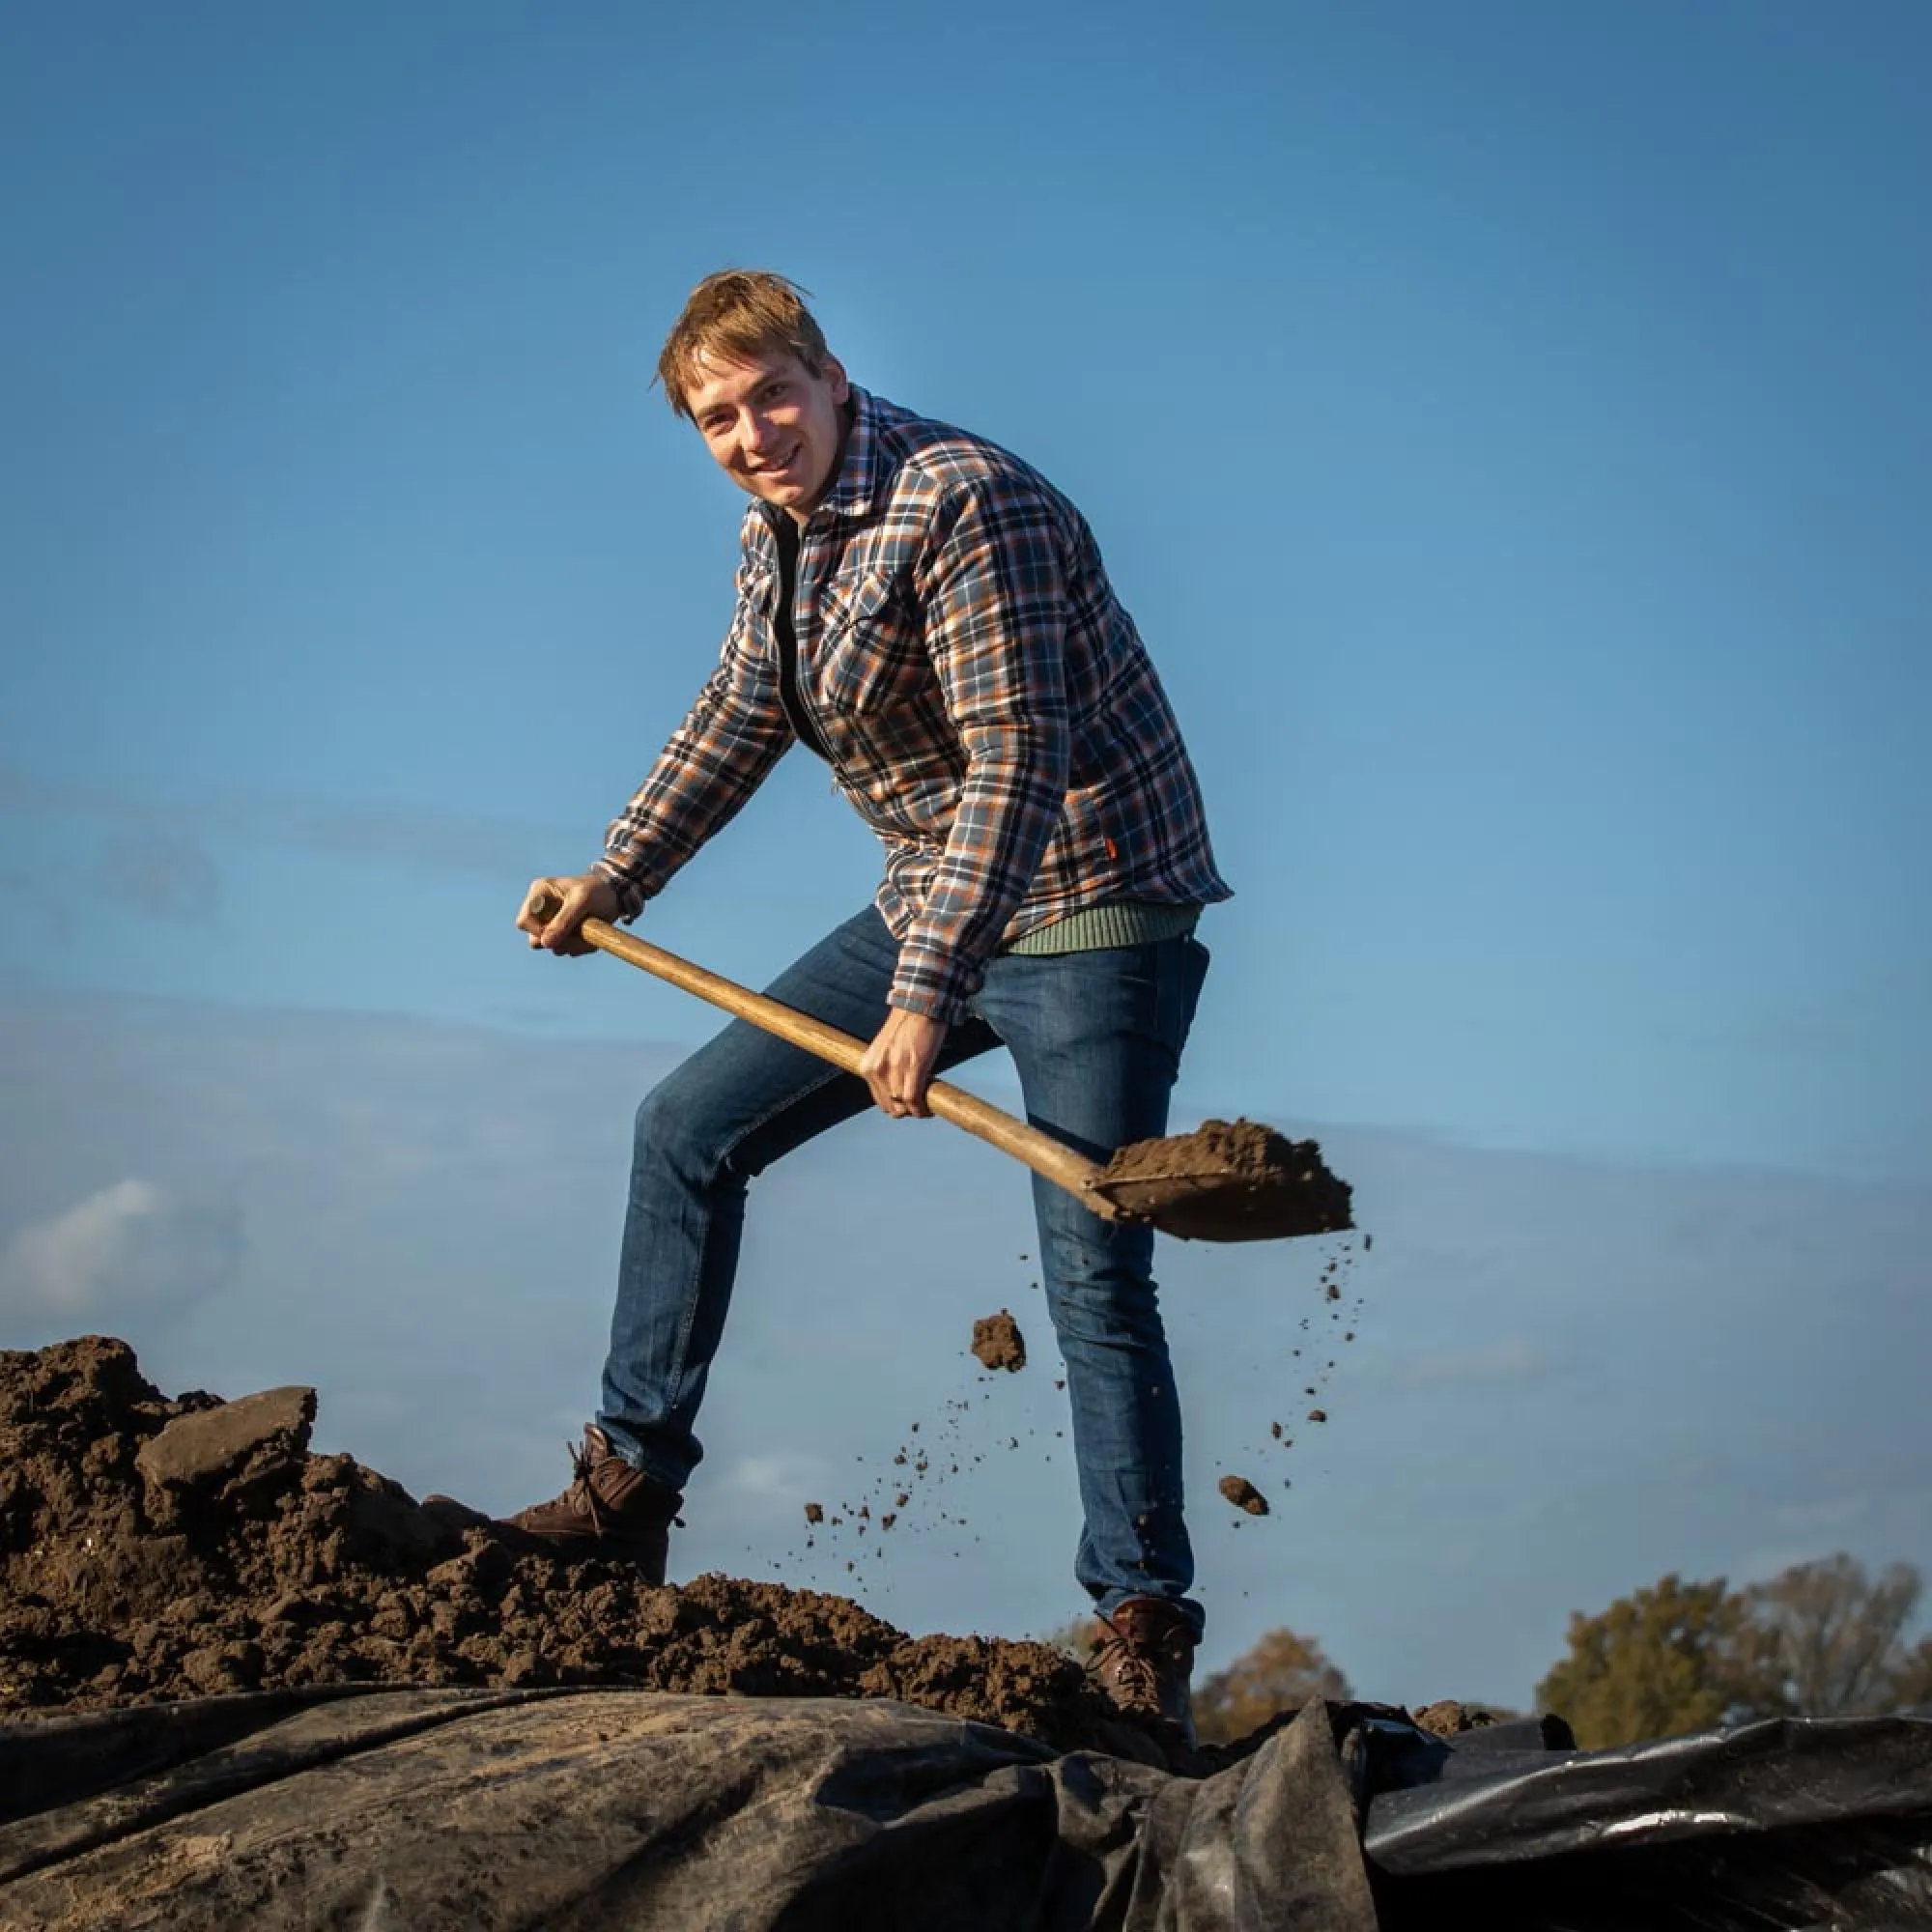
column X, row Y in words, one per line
column 671, row 1124
column 1100, row 1294
column 1090, row 1255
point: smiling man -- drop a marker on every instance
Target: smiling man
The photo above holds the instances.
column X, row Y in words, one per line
column 929, row 615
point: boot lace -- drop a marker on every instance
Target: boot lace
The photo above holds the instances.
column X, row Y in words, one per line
column 582, row 1487
column 1130, row 1665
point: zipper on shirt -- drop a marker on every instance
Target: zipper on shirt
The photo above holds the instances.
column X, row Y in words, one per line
column 787, row 535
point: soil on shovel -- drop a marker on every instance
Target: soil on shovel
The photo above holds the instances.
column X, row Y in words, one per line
column 998, row 1343
column 1230, row 1180
column 156, row 1549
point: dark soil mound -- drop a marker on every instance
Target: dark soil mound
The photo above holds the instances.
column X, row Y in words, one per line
column 157, row 1549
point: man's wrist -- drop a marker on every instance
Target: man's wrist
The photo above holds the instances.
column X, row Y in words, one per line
column 926, row 1005
column 894, row 1009
column 631, row 895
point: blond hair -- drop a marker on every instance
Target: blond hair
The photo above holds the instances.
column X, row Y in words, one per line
column 737, row 313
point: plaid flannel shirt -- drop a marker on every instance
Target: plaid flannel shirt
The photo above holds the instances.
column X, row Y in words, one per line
column 987, row 706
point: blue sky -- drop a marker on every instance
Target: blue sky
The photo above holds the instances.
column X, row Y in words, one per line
column 1508, row 426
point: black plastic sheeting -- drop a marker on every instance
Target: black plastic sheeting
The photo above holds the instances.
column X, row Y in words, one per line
column 1793, row 1823
column 374, row 1811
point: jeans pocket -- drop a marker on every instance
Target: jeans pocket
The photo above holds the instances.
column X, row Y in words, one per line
column 1192, row 976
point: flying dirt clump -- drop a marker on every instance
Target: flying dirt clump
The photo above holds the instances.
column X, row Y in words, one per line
column 998, row 1343
column 1243, row 1495
column 160, row 1549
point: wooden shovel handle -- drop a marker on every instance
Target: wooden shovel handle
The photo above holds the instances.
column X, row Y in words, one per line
column 1045, row 1155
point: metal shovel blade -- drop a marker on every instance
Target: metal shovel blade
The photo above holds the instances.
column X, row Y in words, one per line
column 1228, row 1181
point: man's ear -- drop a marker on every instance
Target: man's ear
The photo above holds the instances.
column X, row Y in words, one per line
column 834, row 374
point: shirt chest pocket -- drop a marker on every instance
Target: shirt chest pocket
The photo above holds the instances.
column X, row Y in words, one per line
column 757, row 596
column 870, row 655
column 751, row 638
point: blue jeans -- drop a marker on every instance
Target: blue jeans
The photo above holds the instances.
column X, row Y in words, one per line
column 1096, row 1038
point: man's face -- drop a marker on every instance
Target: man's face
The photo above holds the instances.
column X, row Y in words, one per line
column 775, row 428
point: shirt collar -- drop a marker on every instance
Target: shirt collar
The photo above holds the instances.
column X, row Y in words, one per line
column 857, row 482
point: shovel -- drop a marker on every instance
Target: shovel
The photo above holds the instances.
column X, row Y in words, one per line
column 1227, row 1182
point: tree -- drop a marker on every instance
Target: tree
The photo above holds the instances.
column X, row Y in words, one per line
column 1911, row 1687
column 1820, row 1639
column 1824, row 1640
column 1662, row 1660
column 1282, row 1672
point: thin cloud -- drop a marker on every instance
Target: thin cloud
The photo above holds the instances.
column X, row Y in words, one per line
column 174, row 877
column 1508, row 1358
column 177, row 870
column 783, row 1476
column 127, row 1245
column 1832, row 1513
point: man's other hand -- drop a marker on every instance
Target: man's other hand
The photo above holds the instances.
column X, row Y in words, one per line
column 898, row 1066
column 587, row 895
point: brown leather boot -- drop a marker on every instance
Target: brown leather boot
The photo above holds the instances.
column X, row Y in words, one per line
column 1143, row 1658
column 609, row 1509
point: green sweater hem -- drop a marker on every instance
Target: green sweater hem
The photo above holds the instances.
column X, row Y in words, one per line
column 1114, row 922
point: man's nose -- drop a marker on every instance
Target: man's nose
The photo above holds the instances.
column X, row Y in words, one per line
column 755, row 434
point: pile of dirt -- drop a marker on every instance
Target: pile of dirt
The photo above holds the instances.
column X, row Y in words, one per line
column 154, row 1548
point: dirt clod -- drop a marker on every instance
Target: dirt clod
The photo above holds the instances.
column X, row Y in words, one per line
column 814, row 1512
column 206, row 1445
column 1448, row 1718
column 998, row 1343
column 1243, row 1495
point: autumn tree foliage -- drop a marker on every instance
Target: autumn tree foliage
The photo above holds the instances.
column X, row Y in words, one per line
column 1281, row 1672
column 1657, row 1663
column 1819, row 1639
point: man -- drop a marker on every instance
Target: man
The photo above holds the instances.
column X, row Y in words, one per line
column 931, row 616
